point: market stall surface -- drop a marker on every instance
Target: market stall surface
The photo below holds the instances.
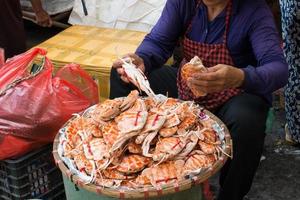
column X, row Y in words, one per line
column 278, row 176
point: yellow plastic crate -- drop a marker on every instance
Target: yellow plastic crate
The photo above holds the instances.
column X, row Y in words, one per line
column 93, row 48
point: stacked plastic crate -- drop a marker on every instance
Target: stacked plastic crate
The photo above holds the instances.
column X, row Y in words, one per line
column 33, row 176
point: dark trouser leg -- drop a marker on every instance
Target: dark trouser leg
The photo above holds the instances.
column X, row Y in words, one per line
column 162, row 81
column 12, row 34
column 245, row 116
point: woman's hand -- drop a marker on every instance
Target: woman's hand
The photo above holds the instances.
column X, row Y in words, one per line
column 135, row 59
column 217, row 78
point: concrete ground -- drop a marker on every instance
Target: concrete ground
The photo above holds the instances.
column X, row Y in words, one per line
column 278, row 176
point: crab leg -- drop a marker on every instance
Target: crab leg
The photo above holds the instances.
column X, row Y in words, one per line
column 147, row 142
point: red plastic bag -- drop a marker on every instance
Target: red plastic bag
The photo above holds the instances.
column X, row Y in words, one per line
column 34, row 106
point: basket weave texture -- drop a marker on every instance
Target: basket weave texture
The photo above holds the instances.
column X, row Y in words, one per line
column 149, row 191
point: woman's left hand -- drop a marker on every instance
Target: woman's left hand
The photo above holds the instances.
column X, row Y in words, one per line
column 217, row 78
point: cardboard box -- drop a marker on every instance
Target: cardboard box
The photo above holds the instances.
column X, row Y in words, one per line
column 93, row 48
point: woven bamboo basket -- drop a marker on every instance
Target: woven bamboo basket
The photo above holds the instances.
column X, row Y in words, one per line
column 149, row 191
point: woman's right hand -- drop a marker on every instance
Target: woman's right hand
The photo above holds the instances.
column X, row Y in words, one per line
column 138, row 61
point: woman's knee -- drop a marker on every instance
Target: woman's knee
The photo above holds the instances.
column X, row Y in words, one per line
column 246, row 116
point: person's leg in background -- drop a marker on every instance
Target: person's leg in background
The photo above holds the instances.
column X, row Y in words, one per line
column 162, row 81
column 12, row 34
column 245, row 116
column 290, row 20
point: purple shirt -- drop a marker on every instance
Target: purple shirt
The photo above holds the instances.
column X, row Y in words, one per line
column 253, row 40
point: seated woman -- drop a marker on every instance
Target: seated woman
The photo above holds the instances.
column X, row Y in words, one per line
column 239, row 43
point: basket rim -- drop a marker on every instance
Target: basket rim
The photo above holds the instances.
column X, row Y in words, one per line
column 149, row 191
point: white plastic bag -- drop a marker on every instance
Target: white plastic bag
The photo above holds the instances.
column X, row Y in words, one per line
column 140, row 15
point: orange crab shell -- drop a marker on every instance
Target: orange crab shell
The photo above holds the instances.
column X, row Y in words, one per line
column 195, row 161
column 132, row 164
column 163, row 173
column 83, row 164
column 110, row 133
column 168, row 132
column 210, row 136
column 207, row 148
column 188, row 122
column 169, row 147
column 187, row 71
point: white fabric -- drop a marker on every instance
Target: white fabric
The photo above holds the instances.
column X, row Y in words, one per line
column 139, row 15
column 52, row 7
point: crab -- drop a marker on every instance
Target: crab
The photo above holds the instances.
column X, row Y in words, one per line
column 132, row 164
column 189, row 122
column 169, row 103
column 129, row 100
column 190, row 145
column 96, row 149
column 168, row 132
column 107, row 110
column 210, row 136
column 153, row 124
column 69, row 150
column 211, row 148
column 150, row 103
column 129, row 124
column 167, row 148
column 84, row 165
column 196, row 161
column 137, row 77
column 111, row 108
column 194, row 66
column 71, row 132
column 139, row 105
column 110, row 133
column 161, row 174
column 171, row 120
column 170, row 126
column 131, row 121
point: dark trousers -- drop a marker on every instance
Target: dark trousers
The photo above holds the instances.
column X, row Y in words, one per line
column 245, row 116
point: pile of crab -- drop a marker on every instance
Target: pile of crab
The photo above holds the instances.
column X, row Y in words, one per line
column 137, row 141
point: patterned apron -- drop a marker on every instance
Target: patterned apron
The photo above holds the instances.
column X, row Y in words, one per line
column 211, row 55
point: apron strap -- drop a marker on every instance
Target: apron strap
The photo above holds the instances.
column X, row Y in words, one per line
column 196, row 12
column 227, row 22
